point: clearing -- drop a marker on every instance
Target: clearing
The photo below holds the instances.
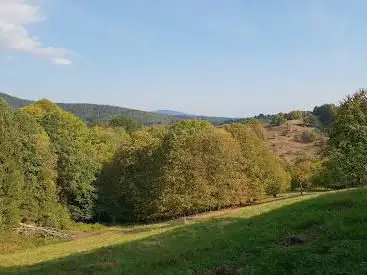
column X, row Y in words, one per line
column 315, row 234
column 284, row 141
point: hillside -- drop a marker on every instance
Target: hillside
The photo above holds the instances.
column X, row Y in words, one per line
column 93, row 112
column 314, row 234
column 284, row 141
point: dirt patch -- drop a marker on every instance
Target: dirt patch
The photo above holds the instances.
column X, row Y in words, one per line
column 138, row 230
column 295, row 240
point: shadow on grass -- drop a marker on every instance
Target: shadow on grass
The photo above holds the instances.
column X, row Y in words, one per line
column 332, row 228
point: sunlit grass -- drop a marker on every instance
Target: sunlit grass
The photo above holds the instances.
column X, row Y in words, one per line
column 250, row 240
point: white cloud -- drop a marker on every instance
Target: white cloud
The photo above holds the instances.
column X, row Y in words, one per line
column 15, row 16
column 61, row 61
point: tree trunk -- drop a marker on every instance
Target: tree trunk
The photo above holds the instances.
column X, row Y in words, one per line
column 301, row 187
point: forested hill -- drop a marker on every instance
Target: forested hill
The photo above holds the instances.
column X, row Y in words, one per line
column 95, row 112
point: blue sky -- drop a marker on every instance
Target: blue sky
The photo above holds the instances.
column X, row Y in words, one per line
column 209, row 57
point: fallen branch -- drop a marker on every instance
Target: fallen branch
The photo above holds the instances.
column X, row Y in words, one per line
column 28, row 229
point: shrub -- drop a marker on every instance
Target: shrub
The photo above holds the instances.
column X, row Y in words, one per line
column 295, row 115
column 306, row 137
column 310, row 120
column 278, row 119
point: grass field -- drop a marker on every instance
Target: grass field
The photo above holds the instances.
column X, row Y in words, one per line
column 314, row 234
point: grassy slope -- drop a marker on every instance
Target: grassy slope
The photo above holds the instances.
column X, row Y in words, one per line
column 249, row 241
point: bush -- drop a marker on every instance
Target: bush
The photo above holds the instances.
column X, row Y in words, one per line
column 310, row 120
column 325, row 113
column 295, row 115
column 278, row 119
column 306, row 137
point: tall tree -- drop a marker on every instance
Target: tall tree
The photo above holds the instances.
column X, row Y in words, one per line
column 325, row 113
column 347, row 144
column 40, row 205
column 11, row 180
column 259, row 163
column 76, row 163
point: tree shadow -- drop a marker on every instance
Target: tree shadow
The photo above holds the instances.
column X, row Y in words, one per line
column 232, row 246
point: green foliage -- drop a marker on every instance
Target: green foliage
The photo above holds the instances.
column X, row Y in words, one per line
column 258, row 127
column 106, row 141
column 310, row 120
column 127, row 184
column 14, row 102
column 295, row 115
column 347, row 146
column 95, row 113
column 27, row 173
column 325, row 113
column 253, row 240
column 129, row 124
column 304, row 172
column 40, row 205
column 259, row 163
column 201, row 169
column 76, row 164
column 190, row 167
column 278, row 119
column 11, row 180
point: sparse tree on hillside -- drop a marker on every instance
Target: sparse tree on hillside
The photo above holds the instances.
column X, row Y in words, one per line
column 278, row 120
column 310, row 120
column 325, row 113
column 295, row 115
column 304, row 171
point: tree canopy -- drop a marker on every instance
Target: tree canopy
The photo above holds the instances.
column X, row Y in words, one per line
column 55, row 168
column 76, row 165
column 347, row 146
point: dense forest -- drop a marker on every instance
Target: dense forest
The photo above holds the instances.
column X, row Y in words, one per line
column 55, row 168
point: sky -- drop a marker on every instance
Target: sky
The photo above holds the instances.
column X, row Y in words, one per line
column 232, row 58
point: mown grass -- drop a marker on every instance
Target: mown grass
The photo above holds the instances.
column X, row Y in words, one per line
column 253, row 240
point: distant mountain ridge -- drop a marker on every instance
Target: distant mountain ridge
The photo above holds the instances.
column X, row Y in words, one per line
column 95, row 112
column 171, row 113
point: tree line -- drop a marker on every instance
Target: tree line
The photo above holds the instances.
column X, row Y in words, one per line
column 342, row 162
column 54, row 168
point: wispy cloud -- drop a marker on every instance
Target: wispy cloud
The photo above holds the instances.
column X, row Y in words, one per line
column 15, row 16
